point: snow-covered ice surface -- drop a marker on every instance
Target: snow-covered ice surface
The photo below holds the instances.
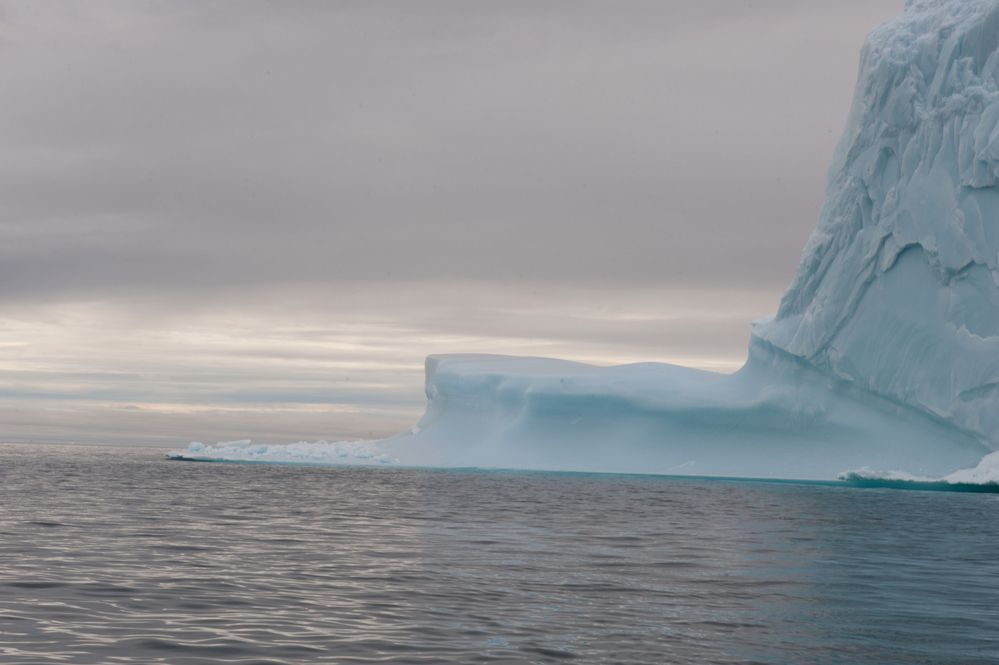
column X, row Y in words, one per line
column 884, row 353
column 319, row 452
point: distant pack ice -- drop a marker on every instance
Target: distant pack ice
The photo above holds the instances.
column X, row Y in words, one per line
column 885, row 350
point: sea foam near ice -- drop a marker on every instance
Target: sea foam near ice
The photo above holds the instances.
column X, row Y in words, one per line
column 318, row 452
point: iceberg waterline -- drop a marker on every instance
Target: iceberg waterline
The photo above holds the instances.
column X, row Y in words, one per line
column 884, row 352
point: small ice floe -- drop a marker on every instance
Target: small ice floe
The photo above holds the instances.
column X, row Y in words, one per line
column 319, row 452
column 982, row 478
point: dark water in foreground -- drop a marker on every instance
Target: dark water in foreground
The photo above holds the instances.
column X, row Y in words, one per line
column 111, row 555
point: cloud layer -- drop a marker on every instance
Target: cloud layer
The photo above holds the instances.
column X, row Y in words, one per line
column 208, row 209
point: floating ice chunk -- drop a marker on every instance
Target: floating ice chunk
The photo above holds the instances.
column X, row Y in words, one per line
column 986, row 473
column 319, row 452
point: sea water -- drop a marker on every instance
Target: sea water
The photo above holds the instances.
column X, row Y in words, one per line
column 116, row 555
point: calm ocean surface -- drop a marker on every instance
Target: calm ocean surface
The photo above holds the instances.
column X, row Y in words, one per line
column 115, row 555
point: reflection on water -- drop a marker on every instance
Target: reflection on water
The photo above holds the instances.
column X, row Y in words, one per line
column 116, row 555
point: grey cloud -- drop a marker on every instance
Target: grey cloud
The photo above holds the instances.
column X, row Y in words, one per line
column 162, row 145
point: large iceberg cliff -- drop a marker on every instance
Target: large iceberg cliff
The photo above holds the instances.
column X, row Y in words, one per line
column 885, row 350
column 897, row 290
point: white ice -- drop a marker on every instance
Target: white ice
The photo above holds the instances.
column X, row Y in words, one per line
column 985, row 473
column 897, row 289
column 776, row 417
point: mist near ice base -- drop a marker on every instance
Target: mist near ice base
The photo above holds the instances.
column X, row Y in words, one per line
column 885, row 350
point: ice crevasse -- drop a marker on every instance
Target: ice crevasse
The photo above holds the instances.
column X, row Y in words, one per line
column 884, row 352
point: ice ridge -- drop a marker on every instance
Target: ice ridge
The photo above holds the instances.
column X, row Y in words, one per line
column 897, row 288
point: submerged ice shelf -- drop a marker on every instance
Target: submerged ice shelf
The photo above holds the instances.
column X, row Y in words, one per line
column 884, row 353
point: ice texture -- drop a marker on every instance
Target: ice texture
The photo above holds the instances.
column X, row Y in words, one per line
column 884, row 352
column 897, row 289
column 319, row 452
column 779, row 418
column 985, row 473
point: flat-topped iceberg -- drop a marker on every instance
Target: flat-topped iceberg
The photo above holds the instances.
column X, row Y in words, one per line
column 782, row 419
column 885, row 350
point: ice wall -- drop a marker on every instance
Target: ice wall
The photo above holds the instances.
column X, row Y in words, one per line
column 897, row 288
column 782, row 419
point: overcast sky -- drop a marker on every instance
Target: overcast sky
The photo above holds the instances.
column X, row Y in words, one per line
column 254, row 219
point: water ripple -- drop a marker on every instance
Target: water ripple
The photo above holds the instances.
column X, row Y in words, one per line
column 117, row 556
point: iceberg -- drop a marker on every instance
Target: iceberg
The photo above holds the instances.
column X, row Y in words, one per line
column 884, row 352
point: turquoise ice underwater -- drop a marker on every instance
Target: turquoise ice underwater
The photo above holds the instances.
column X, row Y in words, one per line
column 882, row 362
